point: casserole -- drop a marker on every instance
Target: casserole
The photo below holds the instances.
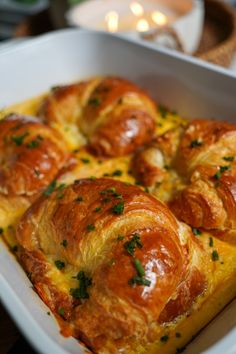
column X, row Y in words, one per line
column 193, row 86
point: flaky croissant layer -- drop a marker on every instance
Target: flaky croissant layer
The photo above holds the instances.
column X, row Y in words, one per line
column 132, row 259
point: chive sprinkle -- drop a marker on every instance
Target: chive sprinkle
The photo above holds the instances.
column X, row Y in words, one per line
column 59, row 264
column 195, row 143
column 64, row 243
column 90, row 227
column 117, row 173
column 224, row 168
column 120, row 237
column 164, row 338
column 85, row 161
column 217, row 175
column 131, row 245
column 215, row 256
column 96, row 210
column 33, row 144
column 196, row 231
column 84, row 282
column 61, row 311
column 139, row 267
column 228, row 158
column 50, row 188
column 211, row 243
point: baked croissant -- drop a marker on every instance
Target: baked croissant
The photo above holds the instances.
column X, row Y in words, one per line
column 206, row 159
column 31, row 155
column 115, row 259
column 114, row 114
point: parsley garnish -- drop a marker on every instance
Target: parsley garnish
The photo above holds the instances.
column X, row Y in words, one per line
column 50, row 188
column 90, row 227
column 118, row 208
column 196, row 231
column 85, row 161
column 96, row 210
column 106, row 200
column 117, row 173
column 215, row 256
column 61, row 311
column 211, row 243
column 224, row 168
column 195, row 143
column 59, row 264
column 163, row 111
column 164, row 339
column 84, row 282
column 228, row 158
column 64, row 243
column 34, row 143
column 131, row 245
column 217, row 175
column 120, row 237
column 94, row 101
column 18, row 140
column 79, row 199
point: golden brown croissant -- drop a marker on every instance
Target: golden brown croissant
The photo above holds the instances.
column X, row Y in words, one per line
column 114, row 114
column 206, row 159
column 113, row 262
column 31, row 155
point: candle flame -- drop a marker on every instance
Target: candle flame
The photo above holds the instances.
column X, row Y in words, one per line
column 159, row 18
column 112, row 20
column 142, row 25
column 136, row 8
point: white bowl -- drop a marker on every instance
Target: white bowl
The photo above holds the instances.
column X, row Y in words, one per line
column 186, row 20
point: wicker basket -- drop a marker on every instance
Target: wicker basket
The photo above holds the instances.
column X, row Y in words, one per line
column 218, row 41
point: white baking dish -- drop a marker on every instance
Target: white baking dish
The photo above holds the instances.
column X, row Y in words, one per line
column 192, row 87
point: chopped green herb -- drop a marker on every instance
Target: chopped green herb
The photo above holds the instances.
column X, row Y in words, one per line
column 118, row 208
column 18, row 140
column 146, row 190
column 163, row 111
column 228, row 158
column 131, row 245
column 50, row 188
column 195, row 143
column 33, row 144
column 196, row 231
column 215, row 256
column 64, row 243
column 139, row 281
column 139, row 267
column 211, row 243
column 178, row 334
column 164, row 339
column 79, row 199
column 217, row 175
column 117, row 173
column 96, row 210
column 107, row 191
column 61, row 311
column 84, row 282
column 90, row 227
column 224, row 168
column 59, row 264
column 94, row 101
column 14, row 248
column 85, row 161
column 118, row 196
column 59, row 189
column 138, row 183
column 120, row 237
column 37, row 172
column 106, row 200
